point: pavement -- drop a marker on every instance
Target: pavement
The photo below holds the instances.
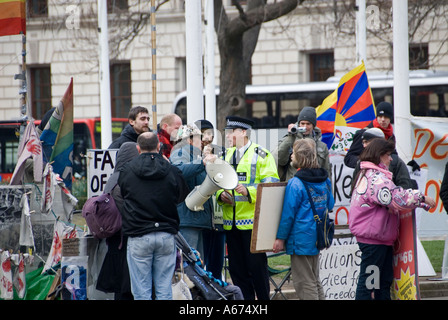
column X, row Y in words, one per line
column 431, row 288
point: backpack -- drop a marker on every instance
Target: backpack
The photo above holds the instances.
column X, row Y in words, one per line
column 102, row 216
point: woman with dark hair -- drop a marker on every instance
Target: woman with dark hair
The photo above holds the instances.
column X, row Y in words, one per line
column 374, row 218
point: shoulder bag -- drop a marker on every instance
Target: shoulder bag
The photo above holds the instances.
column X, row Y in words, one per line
column 324, row 225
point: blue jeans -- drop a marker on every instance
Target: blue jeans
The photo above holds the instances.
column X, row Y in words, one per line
column 376, row 274
column 151, row 259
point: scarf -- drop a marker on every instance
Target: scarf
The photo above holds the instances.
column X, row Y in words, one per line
column 166, row 144
column 388, row 132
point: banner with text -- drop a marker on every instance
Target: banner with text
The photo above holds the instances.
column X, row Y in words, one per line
column 430, row 143
column 341, row 179
column 339, row 271
column 405, row 285
column 100, row 166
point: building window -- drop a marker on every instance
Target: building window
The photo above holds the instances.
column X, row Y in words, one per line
column 181, row 74
column 418, row 56
column 120, row 89
column 117, row 5
column 37, row 8
column 321, row 66
column 40, row 90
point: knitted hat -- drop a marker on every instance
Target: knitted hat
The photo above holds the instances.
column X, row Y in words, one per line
column 372, row 133
column 307, row 114
column 203, row 124
column 385, row 109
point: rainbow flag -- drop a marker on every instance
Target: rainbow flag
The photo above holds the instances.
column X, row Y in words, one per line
column 350, row 105
column 12, row 17
column 57, row 137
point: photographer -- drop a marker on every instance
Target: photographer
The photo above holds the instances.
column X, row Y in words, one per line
column 304, row 128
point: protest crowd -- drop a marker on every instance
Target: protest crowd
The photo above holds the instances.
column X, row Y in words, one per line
column 157, row 233
column 187, row 212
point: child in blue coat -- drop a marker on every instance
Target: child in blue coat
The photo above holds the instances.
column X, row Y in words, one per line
column 297, row 230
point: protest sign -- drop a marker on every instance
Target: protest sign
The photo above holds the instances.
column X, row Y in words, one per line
column 339, row 271
column 100, row 166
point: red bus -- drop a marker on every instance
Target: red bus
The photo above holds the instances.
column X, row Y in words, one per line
column 86, row 135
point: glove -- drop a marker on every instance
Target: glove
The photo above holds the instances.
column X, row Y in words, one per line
column 414, row 165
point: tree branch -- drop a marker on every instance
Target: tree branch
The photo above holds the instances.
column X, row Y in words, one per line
column 259, row 15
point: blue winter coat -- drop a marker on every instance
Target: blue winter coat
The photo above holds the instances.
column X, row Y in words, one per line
column 297, row 225
column 188, row 159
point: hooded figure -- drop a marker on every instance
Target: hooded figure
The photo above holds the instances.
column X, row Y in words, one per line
column 127, row 152
column 151, row 188
column 114, row 273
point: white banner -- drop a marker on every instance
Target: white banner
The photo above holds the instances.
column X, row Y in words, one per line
column 339, row 271
column 341, row 180
column 430, row 151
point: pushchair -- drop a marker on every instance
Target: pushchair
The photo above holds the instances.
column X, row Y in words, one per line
column 206, row 287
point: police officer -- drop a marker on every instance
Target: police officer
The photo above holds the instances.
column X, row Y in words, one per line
column 253, row 164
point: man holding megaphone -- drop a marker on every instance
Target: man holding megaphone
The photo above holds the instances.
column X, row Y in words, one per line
column 253, row 165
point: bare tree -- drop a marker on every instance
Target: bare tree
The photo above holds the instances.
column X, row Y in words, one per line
column 127, row 24
column 427, row 18
column 237, row 39
column 238, row 34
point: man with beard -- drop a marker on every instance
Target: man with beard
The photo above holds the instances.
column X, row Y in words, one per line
column 138, row 118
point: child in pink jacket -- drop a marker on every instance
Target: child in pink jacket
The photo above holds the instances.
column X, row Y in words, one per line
column 375, row 207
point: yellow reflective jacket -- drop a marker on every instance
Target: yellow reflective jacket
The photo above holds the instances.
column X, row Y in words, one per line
column 256, row 166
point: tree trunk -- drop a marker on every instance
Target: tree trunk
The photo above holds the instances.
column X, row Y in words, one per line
column 237, row 40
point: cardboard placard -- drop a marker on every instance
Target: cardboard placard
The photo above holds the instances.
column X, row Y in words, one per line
column 268, row 211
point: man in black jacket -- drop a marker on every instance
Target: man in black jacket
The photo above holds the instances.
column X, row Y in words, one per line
column 138, row 118
column 151, row 188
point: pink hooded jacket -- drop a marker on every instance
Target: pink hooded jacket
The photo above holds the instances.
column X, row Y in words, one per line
column 376, row 204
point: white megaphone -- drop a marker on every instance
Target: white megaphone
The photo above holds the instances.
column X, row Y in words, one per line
column 220, row 175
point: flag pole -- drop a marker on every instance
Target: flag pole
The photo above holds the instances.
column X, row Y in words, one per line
column 154, row 66
column 104, row 76
column 193, row 39
column 23, row 91
column 210, row 94
column 24, row 112
column 402, row 114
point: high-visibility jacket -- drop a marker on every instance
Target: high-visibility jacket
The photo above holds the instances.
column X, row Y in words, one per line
column 256, row 166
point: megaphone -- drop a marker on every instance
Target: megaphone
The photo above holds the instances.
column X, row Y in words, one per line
column 220, row 175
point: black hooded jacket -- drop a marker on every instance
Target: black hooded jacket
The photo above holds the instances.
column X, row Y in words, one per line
column 312, row 175
column 127, row 135
column 151, row 188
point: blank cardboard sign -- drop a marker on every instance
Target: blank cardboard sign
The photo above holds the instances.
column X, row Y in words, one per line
column 268, row 210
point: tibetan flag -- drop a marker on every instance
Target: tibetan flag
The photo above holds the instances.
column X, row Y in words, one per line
column 57, row 137
column 12, row 17
column 350, row 105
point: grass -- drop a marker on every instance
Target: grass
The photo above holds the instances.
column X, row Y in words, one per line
column 434, row 249
column 279, row 262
